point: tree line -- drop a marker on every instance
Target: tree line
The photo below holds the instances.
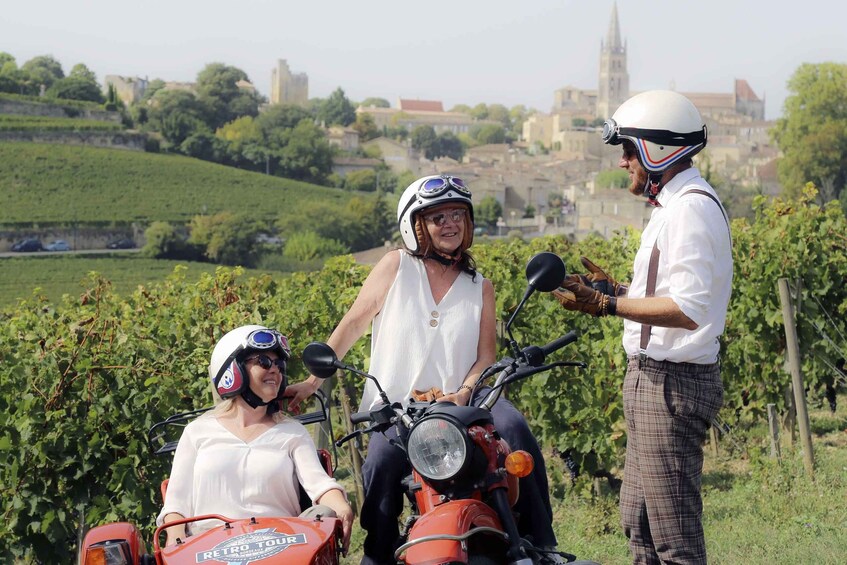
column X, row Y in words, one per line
column 219, row 120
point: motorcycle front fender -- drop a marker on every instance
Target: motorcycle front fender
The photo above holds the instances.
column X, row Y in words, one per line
column 122, row 533
column 442, row 535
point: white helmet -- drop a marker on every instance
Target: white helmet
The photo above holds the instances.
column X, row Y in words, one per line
column 425, row 193
column 226, row 368
column 664, row 126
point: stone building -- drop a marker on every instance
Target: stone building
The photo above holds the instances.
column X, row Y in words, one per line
column 129, row 89
column 397, row 156
column 345, row 138
column 410, row 114
column 288, row 87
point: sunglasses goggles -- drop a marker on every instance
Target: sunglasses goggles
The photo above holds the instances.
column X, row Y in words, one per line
column 435, row 187
column 455, row 215
column 266, row 362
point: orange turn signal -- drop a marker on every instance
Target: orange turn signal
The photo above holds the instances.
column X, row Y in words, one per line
column 108, row 553
column 519, row 463
column 96, row 556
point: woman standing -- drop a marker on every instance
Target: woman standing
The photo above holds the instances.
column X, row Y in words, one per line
column 433, row 321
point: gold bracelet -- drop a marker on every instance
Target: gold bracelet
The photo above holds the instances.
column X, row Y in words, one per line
column 604, row 306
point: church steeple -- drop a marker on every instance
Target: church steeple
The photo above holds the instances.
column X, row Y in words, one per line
column 613, row 36
column 613, row 88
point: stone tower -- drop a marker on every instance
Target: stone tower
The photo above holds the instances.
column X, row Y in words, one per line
column 614, row 79
column 288, row 87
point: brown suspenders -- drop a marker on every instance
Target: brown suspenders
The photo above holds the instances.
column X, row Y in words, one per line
column 653, row 271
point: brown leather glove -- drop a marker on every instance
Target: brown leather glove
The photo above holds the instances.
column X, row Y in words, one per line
column 576, row 296
column 598, row 280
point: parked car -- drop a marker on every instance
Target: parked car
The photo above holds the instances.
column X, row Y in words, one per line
column 25, row 245
column 123, row 243
column 57, row 245
column 269, row 240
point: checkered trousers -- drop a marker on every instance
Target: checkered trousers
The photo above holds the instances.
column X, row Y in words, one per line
column 668, row 407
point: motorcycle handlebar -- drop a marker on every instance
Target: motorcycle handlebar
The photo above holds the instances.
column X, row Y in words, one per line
column 360, row 417
column 533, row 364
column 557, row 344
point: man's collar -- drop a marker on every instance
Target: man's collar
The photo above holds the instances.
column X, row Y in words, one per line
column 673, row 186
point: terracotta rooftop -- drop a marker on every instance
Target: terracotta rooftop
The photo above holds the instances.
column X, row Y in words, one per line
column 743, row 90
column 421, row 105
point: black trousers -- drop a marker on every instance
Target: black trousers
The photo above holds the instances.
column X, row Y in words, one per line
column 386, row 466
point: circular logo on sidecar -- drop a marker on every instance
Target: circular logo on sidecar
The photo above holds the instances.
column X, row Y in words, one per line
column 247, row 548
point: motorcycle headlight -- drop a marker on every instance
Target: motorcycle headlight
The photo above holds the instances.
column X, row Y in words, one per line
column 437, row 448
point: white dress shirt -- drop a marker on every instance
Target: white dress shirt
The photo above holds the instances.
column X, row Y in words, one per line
column 215, row 472
column 695, row 271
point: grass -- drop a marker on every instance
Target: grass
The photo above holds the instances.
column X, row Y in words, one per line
column 756, row 510
column 62, row 184
column 43, row 123
column 55, row 275
column 62, row 102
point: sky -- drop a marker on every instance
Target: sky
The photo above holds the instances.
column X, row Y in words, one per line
column 460, row 52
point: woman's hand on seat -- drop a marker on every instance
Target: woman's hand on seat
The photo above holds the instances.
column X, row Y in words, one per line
column 299, row 392
column 336, row 500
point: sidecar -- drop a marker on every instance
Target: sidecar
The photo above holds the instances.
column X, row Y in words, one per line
column 267, row 541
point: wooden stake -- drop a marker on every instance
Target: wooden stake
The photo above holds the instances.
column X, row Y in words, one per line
column 793, row 351
column 773, row 427
column 355, row 456
column 713, row 437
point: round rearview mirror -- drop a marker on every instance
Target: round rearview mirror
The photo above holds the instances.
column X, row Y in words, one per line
column 545, row 271
column 320, row 359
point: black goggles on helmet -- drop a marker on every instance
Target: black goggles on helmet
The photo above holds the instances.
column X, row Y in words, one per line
column 262, row 340
column 613, row 134
column 437, row 186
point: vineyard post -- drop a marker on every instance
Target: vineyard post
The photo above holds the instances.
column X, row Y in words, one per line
column 789, row 418
column 324, row 439
column 355, row 456
column 713, row 439
column 793, row 351
column 773, row 427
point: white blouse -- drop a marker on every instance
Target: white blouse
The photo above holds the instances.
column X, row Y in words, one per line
column 214, row 472
column 418, row 344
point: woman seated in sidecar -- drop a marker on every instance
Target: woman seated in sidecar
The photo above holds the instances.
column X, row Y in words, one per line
column 245, row 458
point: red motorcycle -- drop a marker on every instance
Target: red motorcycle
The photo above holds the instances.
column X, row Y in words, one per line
column 464, row 478
column 268, row 541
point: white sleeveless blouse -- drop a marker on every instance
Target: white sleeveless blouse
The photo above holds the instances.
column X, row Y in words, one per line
column 416, row 344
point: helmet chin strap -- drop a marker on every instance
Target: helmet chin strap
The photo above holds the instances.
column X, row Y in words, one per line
column 253, row 400
column 444, row 258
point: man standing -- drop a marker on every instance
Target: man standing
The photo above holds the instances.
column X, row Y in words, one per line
column 674, row 312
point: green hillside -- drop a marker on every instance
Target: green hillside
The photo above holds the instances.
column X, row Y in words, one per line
column 44, row 123
column 55, row 184
column 56, row 275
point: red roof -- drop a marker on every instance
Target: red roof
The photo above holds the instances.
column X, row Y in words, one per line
column 421, row 105
column 743, row 90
